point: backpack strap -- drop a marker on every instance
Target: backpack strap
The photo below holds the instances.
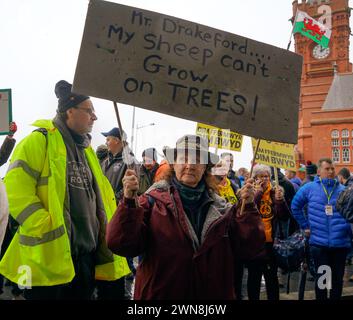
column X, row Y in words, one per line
column 42, row 130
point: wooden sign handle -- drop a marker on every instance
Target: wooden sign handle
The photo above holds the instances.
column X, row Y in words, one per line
column 123, row 139
column 252, row 167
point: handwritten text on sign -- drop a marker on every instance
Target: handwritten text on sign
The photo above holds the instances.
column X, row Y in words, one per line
column 274, row 154
column 220, row 138
column 184, row 69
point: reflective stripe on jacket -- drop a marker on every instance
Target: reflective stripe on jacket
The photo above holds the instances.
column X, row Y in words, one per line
column 36, row 186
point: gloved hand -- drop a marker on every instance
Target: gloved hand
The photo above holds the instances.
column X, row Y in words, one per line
column 12, row 128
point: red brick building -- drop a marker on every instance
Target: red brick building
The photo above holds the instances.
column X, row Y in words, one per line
column 326, row 102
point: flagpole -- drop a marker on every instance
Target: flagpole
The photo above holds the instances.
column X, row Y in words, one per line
column 123, row 136
column 290, row 38
column 275, row 172
column 216, row 147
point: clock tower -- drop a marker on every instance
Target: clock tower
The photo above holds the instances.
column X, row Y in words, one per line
column 326, row 100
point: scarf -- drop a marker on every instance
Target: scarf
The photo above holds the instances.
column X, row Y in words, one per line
column 188, row 195
column 75, row 145
column 195, row 202
column 82, row 200
column 267, row 212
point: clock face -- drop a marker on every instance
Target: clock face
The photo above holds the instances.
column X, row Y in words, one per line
column 320, row 52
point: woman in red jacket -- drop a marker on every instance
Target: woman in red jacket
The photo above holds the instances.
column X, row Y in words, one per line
column 189, row 237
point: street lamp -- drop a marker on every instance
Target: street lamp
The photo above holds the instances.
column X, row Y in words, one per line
column 140, row 127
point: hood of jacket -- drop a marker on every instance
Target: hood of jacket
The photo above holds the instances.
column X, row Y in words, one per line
column 166, row 193
column 158, row 192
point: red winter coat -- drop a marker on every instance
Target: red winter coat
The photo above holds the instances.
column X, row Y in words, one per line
column 175, row 265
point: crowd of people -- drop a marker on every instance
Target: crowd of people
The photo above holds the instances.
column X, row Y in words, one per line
column 85, row 224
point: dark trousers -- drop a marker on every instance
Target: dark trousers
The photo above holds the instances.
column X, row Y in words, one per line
column 111, row 290
column 5, row 244
column 350, row 251
column 268, row 268
column 238, row 279
column 335, row 258
column 80, row 288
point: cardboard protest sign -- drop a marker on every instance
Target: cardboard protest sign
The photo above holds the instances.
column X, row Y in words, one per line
column 5, row 110
column 184, row 69
column 275, row 154
column 220, row 138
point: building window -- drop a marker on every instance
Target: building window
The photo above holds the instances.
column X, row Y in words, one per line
column 335, row 154
column 335, row 134
column 345, row 142
column 335, row 143
column 346, row 155
column 345, row 133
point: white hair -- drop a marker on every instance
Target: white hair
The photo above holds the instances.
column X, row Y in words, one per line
column 259, row 168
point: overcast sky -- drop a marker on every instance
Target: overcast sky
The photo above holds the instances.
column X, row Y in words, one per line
column 41, row 41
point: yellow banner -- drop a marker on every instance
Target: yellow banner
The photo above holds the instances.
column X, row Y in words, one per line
column 275, row 154
column 220, row 138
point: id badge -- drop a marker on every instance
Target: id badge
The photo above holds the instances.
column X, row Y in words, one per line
column 329, row 210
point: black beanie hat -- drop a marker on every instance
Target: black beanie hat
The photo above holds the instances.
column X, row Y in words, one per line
column 67, row 99
column 311, row 168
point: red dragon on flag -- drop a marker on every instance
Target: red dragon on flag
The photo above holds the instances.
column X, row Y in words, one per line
column 314, row 29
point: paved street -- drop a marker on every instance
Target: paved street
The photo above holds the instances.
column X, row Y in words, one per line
column 309, row 287
column 293, row 294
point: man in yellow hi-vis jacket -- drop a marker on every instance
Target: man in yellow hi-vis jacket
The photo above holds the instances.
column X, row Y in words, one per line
column 62, row 201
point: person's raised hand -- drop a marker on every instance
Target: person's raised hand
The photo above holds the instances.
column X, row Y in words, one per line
column 247, row 191
column 279, row 194
column 259, row 185
column 12, row 128
column 130, row 184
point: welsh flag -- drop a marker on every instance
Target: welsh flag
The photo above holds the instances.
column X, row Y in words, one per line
column 312, row 29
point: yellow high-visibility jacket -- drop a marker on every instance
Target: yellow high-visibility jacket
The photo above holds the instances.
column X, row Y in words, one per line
column 36, row 185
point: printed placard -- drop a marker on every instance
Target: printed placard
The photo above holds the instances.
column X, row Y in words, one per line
column 275, row 154
column 220, row 138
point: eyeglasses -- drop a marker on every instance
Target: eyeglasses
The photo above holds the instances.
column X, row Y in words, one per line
column 89, row 111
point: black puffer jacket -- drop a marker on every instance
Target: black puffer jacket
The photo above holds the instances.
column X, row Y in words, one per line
column 6, row 149
column 289, row 193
